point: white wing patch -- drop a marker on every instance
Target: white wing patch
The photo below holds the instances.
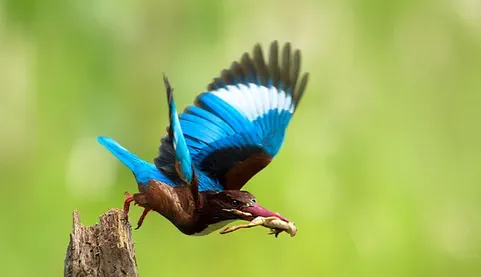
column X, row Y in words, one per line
column 255, row 101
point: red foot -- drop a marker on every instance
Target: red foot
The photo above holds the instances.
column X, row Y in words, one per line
column 128, row 200
column 142, row 217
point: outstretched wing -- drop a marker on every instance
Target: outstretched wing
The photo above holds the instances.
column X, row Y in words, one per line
column 176, row 145
column 235, row 128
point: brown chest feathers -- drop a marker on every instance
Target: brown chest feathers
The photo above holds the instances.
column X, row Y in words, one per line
column 178, row 206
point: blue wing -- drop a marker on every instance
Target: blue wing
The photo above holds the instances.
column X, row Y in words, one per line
column 235, row 128
column 183, row 161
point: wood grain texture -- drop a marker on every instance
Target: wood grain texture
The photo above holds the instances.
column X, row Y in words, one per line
column 104, row 249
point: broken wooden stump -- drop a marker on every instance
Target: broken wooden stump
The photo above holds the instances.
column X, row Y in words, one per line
column 104, row 249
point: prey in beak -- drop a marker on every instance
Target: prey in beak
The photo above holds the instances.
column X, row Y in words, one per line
column 275, row 225
column 260, row 216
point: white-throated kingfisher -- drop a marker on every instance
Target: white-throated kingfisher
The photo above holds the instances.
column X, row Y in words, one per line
column 212, row 149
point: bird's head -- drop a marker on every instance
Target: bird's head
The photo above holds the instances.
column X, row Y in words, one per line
column 236, row 204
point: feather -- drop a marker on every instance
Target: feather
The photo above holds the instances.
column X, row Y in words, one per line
column 143, row 171
column 200, row 122
column 295, row 68
column 274, row 63
column 234, row 129
column 175, row 132
column 286, row 63
column 301, row 89
column 223, row 110
column 201, row 113
column 260, row 65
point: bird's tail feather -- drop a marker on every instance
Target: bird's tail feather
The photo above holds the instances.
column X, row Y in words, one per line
column 143, row 171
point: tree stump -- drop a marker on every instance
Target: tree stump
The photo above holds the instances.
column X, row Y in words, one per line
column 104, row 249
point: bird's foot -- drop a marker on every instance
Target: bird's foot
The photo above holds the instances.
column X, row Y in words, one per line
column 128, row 200
column 142, row 217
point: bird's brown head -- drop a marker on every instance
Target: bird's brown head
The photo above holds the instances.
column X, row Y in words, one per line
column 236, row 204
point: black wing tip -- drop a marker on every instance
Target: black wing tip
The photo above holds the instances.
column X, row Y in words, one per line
column 275, row 45
column 301, row 88
column 166, row 81
column 170, row 102
column 282, row 67
column 168, row 88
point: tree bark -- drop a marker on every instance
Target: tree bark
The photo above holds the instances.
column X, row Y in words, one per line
column 104, row 249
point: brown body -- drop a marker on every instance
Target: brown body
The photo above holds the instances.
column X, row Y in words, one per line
column 174, row 203
column 178, row 205
column 198, row 215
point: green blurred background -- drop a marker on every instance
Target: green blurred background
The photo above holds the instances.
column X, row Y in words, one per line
column 380, row 170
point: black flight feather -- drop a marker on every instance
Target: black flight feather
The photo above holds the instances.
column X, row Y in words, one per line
column 283, row 70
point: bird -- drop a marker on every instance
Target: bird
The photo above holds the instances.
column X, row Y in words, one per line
column 231, row 132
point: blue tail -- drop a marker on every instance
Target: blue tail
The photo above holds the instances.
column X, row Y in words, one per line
column 143, row 171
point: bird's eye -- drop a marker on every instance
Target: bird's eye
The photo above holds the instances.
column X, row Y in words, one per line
column 253, row 200
column 236, row 202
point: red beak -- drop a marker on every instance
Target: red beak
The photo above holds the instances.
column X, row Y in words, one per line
column 257, row 210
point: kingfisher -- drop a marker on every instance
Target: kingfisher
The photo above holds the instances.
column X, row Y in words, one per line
column 214, row 147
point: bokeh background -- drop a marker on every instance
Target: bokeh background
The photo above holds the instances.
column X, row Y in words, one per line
column 381, row 167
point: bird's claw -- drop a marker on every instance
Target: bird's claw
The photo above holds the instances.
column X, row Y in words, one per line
column 128, row 200
column 142, row 217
